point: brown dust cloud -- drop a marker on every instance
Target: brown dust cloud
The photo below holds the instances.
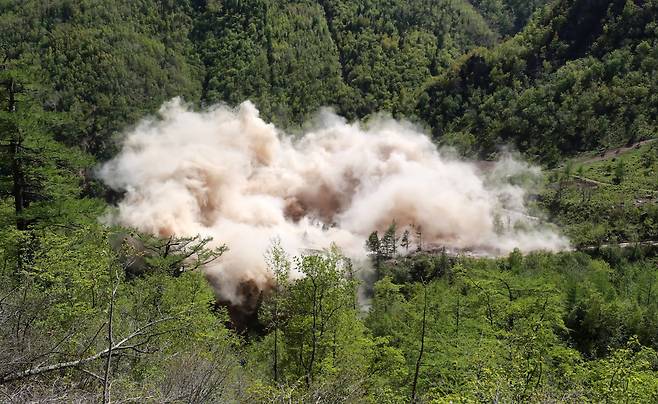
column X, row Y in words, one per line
column 226, row 173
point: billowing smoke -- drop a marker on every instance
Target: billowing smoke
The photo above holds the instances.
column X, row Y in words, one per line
column 228, row 174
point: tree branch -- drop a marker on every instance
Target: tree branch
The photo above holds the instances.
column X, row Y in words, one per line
column 74, row 364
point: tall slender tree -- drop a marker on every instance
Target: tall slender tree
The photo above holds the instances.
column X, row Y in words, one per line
column 34, row 167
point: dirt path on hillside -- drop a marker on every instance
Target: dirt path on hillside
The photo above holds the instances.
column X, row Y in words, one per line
column 436, row 250
column 618, row 151
column 647, row 243
column 613, row 152
column 595, row 182
column 589, row 180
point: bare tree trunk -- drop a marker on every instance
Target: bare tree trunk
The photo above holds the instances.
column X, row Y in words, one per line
column 333, row 347
column 108, row 360
column 276, row 355
column 422, row 345
column 18, row 177
column 18, row 184
column 458, row 315
column 309, row 371
column 276, row 334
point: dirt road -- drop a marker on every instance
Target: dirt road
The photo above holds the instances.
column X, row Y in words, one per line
column 612, row 152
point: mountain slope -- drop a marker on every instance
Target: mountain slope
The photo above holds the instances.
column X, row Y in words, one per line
column 579, row 77
column 105, row 64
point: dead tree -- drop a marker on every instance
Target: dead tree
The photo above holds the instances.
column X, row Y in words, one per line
column 422, row 345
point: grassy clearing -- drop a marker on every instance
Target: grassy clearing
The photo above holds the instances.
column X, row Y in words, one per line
column 613, row 199
column 635, row 170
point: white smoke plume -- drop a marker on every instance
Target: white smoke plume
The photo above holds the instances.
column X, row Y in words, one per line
column 227, row 174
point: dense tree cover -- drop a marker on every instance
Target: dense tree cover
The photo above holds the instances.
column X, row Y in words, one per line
column 587, row 65
column 106, row 64
column 581, row 75
column 35, row 169
column 358, row 56
column 534, row 328
column 278, row 54
column 507, row 16
column 79, row 323
column 387, row 51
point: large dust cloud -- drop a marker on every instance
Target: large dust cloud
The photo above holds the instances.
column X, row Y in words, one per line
column 228, row 174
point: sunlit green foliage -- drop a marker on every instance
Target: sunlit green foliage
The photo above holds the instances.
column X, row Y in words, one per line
column 580, row 76
column 525, row 328
column 597, row 204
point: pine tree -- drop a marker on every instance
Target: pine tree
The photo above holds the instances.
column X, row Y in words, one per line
column 35, row 169
column 374, row 245
column 389, row 241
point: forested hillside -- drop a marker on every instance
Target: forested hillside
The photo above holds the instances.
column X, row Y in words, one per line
column 581, row 76
column 105, row 64
column 91, row 311
column 591, row 65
